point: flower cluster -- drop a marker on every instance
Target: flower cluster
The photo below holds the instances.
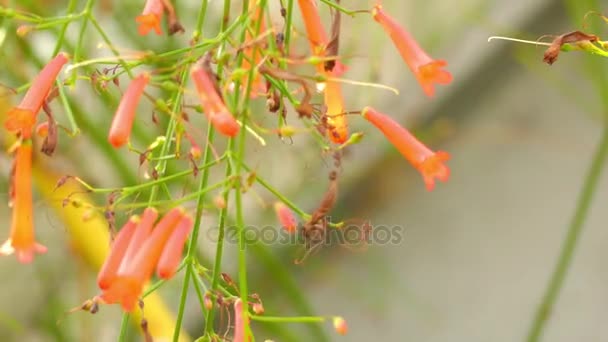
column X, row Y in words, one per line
column 21, row 121
column 224, row 75
column 137, row 250
column 427, row 71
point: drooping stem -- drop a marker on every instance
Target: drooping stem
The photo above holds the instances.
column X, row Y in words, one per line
column 575, row 228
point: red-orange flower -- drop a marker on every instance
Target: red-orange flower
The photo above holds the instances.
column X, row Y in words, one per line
column 21, row 119
column 285, row 217
column 317, row 37
column 137, row 250
column 338, row 132
column 212, row 103
column 239, row 321
column 427, row 70
column 430, row 164
column 125, row 114
column 22, row 241
column 150, row 17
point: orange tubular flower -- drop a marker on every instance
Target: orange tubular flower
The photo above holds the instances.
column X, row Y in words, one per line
column 338, row 132
column 21, row 119
column 149, row 19
column 212, row 103
column 314, row 29
column 137, row 250
column 333, row 93
column 430, row 164
column 172, row 253
column 22, row 240
column 427, row 70
column 239, row 322
column 285, row 217
column 125, row 114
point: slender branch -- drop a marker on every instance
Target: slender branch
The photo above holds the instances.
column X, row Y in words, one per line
column 575, row 228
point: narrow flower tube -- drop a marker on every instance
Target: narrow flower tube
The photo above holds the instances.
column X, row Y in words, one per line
column 212, row 103
column 338, row 132
column 285, row 217
column 22, row 118
column 427, row 70
column 239, row 321
column 172, row 252
column 21, row 241
column 143, row 263
column 430, row 164
column 125, row 114
column 124, row 274
column 150, row 17
column 317, row 37
column 121, row 242
column 140, row 234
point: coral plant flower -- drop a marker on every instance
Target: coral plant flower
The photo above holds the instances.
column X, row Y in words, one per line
column 427, row 70
column 21, row 241
column 430, row 164
column 137, row 250
column 125, row 114
column 22, row 118
column 150, row 17
column 212, row 103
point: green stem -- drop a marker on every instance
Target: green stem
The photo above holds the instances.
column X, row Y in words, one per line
column 556, row 282
column 191, row 254
column 74, row 129
column 61, row 35
column 107, row 40
column 219, row 252
column 83, row 29
column 278, row 195
column 124, row 324
column 192, row 244
column 288, row 24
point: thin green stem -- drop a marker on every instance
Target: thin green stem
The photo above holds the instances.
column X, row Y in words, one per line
column 288, row 24
column 60, row 37
column 200, row 20
column 556, row 282
column 107, row 40
column 278, row 195
column 342, row 9
column 124, row 324
column 192, row 244
column 74, row 129
column 81, row 34
column 219, row 251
